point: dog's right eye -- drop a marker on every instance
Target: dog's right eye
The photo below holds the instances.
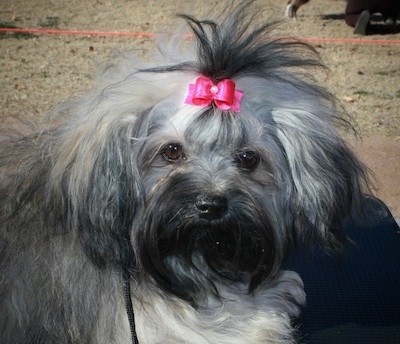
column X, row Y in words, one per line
column 173, row 152
column 248, row 160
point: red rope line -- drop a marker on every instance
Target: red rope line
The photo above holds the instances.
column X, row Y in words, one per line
column 351, row 41
column 151, row 34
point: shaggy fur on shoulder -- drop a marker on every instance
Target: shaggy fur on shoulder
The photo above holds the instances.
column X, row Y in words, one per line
column 199, row 204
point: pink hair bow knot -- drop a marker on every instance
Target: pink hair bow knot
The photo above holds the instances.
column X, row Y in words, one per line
column 224, row 95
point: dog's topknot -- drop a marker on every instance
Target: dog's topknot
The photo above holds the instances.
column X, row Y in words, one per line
column 240, row 46
column 246, row 46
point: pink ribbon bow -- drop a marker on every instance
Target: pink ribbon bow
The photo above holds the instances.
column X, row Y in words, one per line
column 223, row 94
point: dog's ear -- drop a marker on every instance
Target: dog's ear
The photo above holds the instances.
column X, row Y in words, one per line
column 324, row 182
column 95, row 182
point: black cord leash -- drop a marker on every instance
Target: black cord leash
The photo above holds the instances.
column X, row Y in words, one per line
column 129, row 306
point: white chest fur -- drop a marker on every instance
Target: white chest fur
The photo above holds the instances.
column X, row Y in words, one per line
column 261, row 317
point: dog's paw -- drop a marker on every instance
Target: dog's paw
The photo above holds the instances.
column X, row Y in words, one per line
column 286, row 292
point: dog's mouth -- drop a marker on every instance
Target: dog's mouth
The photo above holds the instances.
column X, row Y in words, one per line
column 233, row 256
column 226, row 247
column 188, row 252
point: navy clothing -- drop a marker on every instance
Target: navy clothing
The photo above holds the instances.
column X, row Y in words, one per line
column 388, row 8
column 354, row 298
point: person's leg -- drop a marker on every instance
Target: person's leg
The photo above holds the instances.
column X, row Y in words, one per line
column 362, row 23
column 353, row 11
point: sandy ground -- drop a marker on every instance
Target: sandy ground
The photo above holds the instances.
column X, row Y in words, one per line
column 37, row 72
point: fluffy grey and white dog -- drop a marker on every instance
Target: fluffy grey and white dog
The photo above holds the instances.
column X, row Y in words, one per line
column 177, row 188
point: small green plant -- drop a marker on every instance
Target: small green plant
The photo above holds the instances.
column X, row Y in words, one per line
column 44, row 74
column 383, row 73
column 387, row 72
column 18, row 35
column 398, row 94
column 50, row 22
column 362, row 92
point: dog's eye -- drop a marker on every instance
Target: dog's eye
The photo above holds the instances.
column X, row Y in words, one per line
column 173, row 152
column 248, row 160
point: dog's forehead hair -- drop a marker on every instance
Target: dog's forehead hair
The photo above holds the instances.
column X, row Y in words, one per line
column 212, row 129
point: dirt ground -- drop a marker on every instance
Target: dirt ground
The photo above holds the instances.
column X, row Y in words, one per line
column 39, row 71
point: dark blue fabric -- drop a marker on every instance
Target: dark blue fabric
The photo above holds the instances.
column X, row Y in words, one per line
column 355, row 299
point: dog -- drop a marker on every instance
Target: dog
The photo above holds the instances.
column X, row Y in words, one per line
column 160, row 206
column 292, row 7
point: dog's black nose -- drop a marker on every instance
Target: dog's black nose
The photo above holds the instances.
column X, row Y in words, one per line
column 211, row 207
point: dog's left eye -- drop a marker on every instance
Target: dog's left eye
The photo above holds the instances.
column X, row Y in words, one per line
column 248, row 160
column 173, row 152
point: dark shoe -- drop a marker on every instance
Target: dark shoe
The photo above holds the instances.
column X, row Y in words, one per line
column 390, row 24
column 362, row 23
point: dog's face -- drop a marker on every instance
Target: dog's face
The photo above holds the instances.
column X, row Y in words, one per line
column 208, row 183
column 192, row 195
